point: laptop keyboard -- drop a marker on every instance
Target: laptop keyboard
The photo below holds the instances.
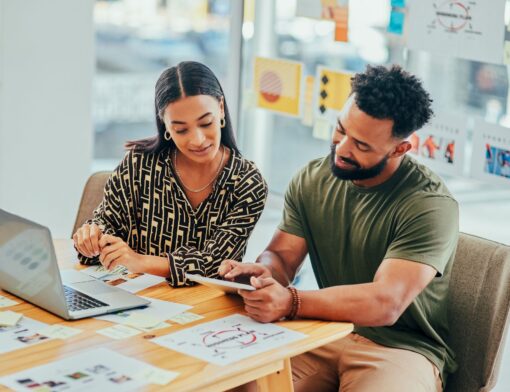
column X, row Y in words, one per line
column 79, row 301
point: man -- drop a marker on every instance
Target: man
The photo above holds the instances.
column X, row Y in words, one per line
column 381, row 231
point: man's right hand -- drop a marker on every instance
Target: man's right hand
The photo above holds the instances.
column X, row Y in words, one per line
column 86, row 240
column 231, row 269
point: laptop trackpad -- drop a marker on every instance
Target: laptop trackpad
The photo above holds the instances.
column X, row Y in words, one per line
column 93, row 288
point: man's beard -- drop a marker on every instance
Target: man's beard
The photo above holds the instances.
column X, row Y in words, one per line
column 357, row 173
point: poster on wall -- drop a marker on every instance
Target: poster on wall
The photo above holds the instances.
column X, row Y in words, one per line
column 318, row 9
column 440, row 144
column 277, row 84
column 491, row 153
column 469, row 29
column 307, row 118
column 332, row 88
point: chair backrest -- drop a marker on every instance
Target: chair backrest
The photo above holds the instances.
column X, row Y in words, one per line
column 91, row 197
column 479, row 307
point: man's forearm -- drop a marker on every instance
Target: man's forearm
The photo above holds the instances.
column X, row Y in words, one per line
column 366, row 304
column 275, row 263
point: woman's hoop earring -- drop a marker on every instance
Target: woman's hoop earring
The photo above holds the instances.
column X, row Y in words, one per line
column 167, row 136
column 223, row 122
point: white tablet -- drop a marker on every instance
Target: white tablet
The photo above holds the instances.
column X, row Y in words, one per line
column 223, row 285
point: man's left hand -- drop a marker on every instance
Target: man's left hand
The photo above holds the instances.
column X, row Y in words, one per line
column 270, row 302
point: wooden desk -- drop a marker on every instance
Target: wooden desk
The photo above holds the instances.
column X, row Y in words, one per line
column 271, row 369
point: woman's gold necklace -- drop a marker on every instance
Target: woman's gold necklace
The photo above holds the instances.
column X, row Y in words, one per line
column 206, row 185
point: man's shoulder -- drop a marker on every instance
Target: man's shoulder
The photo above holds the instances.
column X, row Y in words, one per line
column 423, row 185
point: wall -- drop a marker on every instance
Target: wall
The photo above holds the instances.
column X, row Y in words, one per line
column 46, row 69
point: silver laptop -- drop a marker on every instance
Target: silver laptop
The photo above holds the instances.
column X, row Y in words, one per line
column 29, row 270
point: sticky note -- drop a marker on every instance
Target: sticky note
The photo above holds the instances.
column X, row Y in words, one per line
column 6, row 302
column 141, row 321
column 396, row 25
column 322, row 129
column 57, row 331
column 118, row 331
column 155, row 375
column 186, row 317
column 9, row 318
column 398, row 3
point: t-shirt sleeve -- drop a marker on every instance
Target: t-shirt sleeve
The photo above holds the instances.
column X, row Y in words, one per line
column 427, row 232
column 292, row 221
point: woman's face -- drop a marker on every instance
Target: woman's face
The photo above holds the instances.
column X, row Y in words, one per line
column 194, row 124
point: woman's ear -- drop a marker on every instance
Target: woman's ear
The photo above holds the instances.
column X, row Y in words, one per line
column 222, row 107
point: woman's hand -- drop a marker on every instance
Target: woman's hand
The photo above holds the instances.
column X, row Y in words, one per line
column 231, row 269
column 114, row 252
column 86, row 240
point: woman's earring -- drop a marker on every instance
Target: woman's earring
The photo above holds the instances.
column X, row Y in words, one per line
column 223, row 122
column 167, row 136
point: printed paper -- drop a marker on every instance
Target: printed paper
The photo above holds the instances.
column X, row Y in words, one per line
column 228, row 340
column 491, row 153
column 118, row 331
column 332, row 90
column 186, row 318
column 441, row 144
column 95, row 370
column 25, row 334
column 6, row 302
column 469, row 29
column 277, row 84
column 123, row 279
column 58, row 331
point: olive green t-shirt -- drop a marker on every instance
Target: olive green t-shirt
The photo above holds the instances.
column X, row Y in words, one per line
column 350, row 230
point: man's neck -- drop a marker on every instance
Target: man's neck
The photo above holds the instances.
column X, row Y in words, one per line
column 390, row 169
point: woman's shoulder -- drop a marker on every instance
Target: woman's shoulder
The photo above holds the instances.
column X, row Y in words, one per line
column 143, row 159
column 244, row 168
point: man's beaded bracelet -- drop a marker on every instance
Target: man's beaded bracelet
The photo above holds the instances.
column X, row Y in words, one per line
column 296, row 303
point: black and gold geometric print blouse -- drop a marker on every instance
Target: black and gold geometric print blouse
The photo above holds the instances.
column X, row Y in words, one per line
column 145, row 205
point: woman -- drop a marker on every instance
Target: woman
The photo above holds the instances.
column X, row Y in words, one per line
column 181, row 201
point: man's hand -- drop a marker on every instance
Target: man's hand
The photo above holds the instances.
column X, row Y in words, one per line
column 270, row 302
column 114, row 252
column 231, row 269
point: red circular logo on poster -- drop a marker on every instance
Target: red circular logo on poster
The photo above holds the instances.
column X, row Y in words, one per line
column 270, row 86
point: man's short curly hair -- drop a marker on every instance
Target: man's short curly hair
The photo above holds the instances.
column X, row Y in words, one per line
column 392, row 93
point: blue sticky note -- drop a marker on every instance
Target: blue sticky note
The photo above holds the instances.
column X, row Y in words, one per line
column 398, row 3
column 396, row 25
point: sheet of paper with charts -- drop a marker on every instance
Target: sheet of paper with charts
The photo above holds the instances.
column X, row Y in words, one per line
column 122, row 278
column 26, row 333
column 228, row 339
column 94, row 370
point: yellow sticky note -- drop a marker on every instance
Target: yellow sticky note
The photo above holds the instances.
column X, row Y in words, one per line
column 186, row 317
column 155, row 375
column 118, row 332
column 6, row 302
column 141, row 321
column 9, row 318
column 57, row 331
column 308, row 101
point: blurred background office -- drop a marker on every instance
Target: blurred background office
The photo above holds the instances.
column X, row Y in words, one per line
column 77, row 80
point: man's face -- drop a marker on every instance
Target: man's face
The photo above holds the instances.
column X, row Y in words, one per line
column 361, row 145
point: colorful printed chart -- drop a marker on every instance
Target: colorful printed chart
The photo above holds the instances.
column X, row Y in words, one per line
column 472, row 30
column 491, row 153
column 277, row 84
column 441, row 144
column 332, row 90
column 228, row 339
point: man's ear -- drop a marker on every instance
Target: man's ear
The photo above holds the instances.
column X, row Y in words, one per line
column 403, row 147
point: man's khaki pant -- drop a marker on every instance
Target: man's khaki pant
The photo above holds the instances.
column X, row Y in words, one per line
column 358, row 364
